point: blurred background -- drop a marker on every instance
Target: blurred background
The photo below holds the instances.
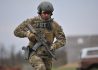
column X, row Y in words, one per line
column 78, row 18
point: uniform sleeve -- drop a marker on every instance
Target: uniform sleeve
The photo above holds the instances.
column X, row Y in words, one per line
column 21, row 30
column 60, row 37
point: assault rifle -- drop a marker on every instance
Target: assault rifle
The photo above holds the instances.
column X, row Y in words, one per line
column 40, row 41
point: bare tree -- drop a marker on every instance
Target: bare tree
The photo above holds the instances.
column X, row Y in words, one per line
column 2, row 54
column 12, row 55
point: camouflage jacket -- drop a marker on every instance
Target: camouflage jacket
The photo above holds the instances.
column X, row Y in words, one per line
column 55, row 31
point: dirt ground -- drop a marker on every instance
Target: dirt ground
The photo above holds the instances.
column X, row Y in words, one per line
column 70, row 65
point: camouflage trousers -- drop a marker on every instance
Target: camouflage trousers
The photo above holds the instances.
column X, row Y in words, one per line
column 39, row 63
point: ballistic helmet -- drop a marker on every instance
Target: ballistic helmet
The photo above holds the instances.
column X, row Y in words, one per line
column 45, row 6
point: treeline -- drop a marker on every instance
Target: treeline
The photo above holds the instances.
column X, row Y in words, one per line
column 10, row 58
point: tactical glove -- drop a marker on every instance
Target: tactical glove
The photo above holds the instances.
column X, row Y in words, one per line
column 53, row 47
column 30, row 36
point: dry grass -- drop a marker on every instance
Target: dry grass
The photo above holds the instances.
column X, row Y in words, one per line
column 71, row 66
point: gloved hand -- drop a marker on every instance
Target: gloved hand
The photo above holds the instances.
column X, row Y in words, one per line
column 53, row 47
column 30, row 36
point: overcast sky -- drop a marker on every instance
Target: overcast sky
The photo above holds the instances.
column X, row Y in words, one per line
column 77, row 17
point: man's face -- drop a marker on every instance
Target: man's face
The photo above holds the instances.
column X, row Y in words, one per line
column 45, row 15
